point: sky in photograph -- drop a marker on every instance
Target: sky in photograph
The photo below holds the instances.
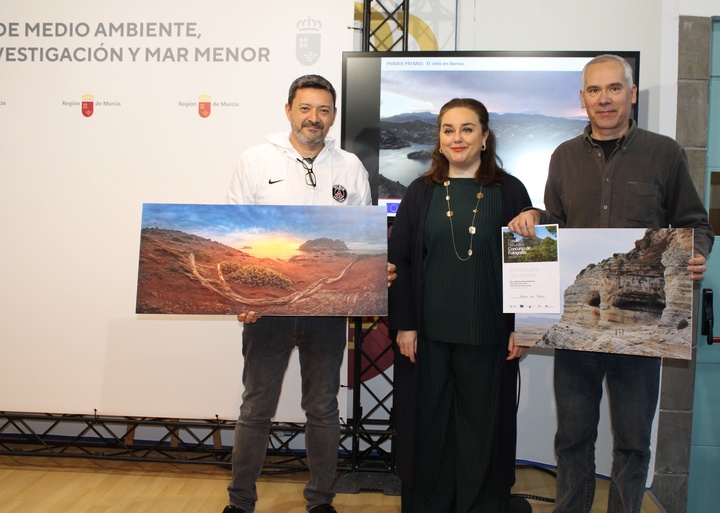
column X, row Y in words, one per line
column 580, row 247
column 577, row 248
column 541, row 231
column 273, row 231
column 549, row 93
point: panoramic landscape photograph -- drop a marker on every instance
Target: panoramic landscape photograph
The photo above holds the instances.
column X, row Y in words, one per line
column 274, row 260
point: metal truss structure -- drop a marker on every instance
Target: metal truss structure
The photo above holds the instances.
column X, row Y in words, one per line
column 366, row 442
column 385, row 25
column 116, row 438
column 371, row 431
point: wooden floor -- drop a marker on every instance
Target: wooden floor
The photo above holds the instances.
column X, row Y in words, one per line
column 54, row 485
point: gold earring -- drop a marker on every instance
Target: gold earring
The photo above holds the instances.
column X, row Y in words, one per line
column 440, row 150
column 483, row 147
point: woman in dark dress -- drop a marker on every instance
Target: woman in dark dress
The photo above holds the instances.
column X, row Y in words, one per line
column 456, row 362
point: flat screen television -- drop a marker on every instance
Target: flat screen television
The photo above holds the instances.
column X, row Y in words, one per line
column 390, row 102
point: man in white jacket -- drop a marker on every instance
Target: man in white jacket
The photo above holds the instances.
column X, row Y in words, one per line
column 304, row 167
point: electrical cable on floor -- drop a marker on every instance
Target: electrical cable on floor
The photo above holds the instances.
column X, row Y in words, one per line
column 282, row 472
column 532, row 496
column 536, row 467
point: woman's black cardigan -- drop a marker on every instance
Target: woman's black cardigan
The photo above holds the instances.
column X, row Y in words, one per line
column 405, row 310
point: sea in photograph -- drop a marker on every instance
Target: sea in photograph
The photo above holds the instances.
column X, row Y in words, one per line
column 396, row 166
column 524, row 144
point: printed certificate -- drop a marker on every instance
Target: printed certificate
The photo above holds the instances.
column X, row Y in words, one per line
column 531, row 271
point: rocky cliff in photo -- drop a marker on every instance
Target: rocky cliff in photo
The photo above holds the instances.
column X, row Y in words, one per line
column 638, row 302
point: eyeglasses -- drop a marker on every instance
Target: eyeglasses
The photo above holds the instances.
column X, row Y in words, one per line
column 309, row 175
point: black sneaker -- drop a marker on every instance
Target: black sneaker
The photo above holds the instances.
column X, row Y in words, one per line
column 323, row 508
column 233, row 509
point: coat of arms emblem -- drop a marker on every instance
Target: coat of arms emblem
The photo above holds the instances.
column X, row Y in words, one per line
column 307, row 42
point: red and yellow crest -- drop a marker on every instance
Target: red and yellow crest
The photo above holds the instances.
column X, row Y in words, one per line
column 204, row 105
column 88, row 105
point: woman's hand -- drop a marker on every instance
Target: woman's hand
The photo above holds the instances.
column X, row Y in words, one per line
column 513, row 350
column 407, row 343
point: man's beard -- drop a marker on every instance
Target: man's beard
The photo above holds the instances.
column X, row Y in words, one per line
column 311, row 140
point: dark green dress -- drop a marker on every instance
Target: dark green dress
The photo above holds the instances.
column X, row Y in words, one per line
column 462, row 348
column 467, row 293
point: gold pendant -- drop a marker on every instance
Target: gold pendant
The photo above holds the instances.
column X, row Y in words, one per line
column 471, row 229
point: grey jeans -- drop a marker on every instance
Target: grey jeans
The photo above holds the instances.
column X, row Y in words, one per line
column 267, row 346
column 633, row 384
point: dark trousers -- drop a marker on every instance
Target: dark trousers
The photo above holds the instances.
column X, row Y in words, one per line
column 459, row 386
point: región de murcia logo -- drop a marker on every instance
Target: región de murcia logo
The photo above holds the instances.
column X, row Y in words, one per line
column 87, row 105
column 204, row 105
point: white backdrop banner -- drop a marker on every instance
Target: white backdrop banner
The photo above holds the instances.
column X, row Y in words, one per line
column 106, row 106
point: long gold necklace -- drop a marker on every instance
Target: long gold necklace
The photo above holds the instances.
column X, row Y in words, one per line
column 471, row 228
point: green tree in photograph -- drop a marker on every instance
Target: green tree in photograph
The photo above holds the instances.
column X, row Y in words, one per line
column 545, row 251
